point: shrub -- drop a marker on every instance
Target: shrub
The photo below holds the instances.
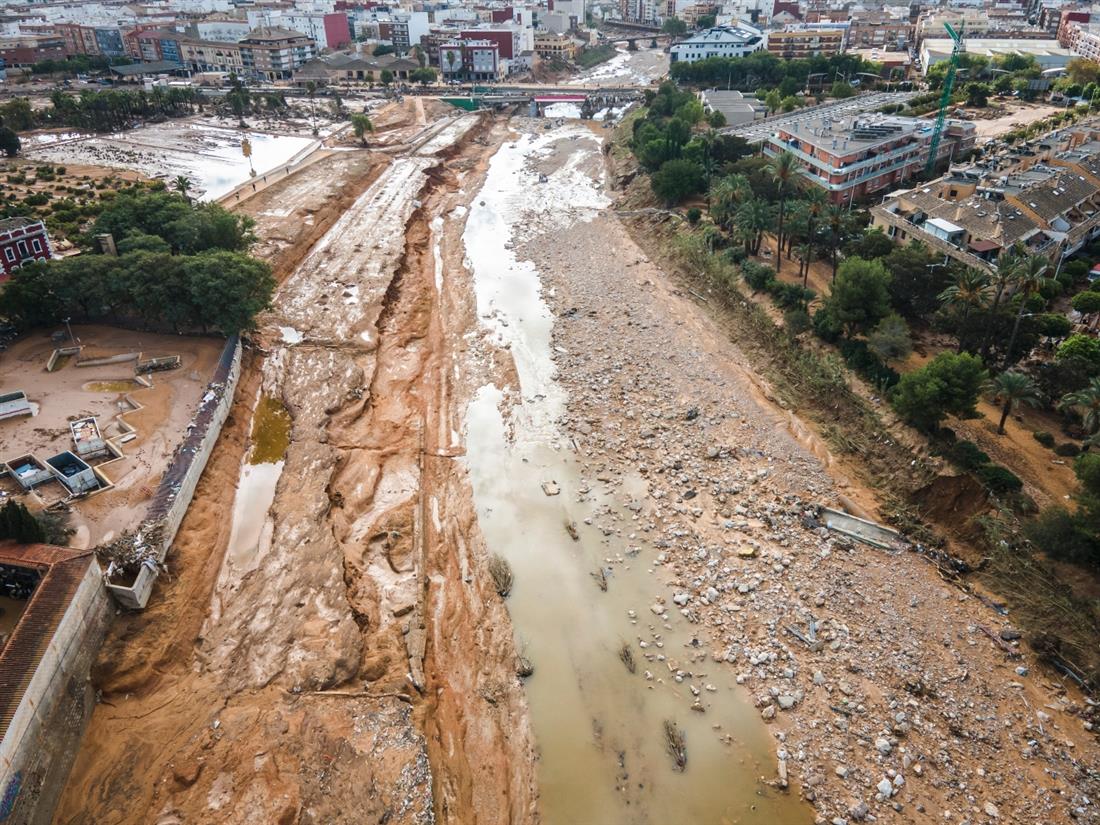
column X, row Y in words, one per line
column 796, row 321
column 736, row 254
column 999, row 480
column 859, row 357
column 1067, row 450
column 757, row 276
column 826, row 327
column 789, row 296
column 1058, row 534
column 1044, row 438
column 501, row 572
column 966, row 455
column 694, row 214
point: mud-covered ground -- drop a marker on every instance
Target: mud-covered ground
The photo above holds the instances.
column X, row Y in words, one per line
column 310, row 679
column 357, row 665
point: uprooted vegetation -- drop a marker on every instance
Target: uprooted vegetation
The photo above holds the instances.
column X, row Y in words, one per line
column 501, row 572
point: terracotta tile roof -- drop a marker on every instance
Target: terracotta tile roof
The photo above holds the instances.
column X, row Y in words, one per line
column 62, row 571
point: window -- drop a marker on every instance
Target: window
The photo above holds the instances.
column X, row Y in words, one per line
column 9, row 253
column 37, row 244
column 23, row 249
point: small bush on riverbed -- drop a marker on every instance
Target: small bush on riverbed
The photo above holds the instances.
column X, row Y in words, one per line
column 501, row 571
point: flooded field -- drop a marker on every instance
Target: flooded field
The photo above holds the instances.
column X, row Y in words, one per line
column 209, row 155
column 611, row 668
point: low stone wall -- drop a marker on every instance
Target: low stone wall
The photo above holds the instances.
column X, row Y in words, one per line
column 177, row 485
column 42, row 740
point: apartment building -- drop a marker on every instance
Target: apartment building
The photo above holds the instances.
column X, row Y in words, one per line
column 1046, row 199
column 855, row 157
column 640, row 11
column 26, row 50
column 720, row 41
column 879, row 30
column 551, row 46
column 211, row 56
column 472, row 60
column 274, row 53
column 801, row 41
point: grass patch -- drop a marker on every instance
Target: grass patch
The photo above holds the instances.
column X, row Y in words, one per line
column 595, row 56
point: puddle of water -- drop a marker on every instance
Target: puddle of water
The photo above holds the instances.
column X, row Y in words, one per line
column 122, row 385
column 598, row 727
column 251, row 526
column 270, row 431
column 290, row 335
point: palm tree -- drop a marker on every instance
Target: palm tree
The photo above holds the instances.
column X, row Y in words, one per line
column 815, row 205
column 361, row 124
column 1010, row 388
column 754, row 218
column 785, row 169
column 239, row 99
column 1030, row 277
column 1089, row 399
column 311, row 92
column 726, row 194
column 182, row 184
column 836, row 232
column 1007, row 264
column 708, row 139
column 971, row 289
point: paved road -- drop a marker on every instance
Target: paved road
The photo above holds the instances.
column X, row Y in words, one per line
column 763, row 129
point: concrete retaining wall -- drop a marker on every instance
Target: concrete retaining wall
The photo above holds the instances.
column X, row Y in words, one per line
column 38, row 751
column 177, row 485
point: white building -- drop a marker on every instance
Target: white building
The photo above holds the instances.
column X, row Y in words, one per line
column 1047, row 53
column 721, row 41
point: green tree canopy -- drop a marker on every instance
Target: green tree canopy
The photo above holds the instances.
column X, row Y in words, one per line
column 9, row 142
column 676, row 180
column 949, row 384
column 860, row 295
column 674, row 26
column 188, row 228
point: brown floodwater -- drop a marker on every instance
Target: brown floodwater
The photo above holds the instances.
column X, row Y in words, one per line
column 599, row 728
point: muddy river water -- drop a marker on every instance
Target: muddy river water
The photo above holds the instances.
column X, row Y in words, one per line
column 599, row 727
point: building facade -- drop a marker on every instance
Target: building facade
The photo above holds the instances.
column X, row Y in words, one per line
column 856, row 157
column 274, row 53
column 212, row 56
column 795, row 42
column 22, row 240
column 720, row 41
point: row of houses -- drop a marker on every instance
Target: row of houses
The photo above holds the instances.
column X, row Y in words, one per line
column 806, row 40
column 1045, row 197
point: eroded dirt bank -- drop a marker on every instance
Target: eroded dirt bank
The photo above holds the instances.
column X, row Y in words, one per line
column 308, row 677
